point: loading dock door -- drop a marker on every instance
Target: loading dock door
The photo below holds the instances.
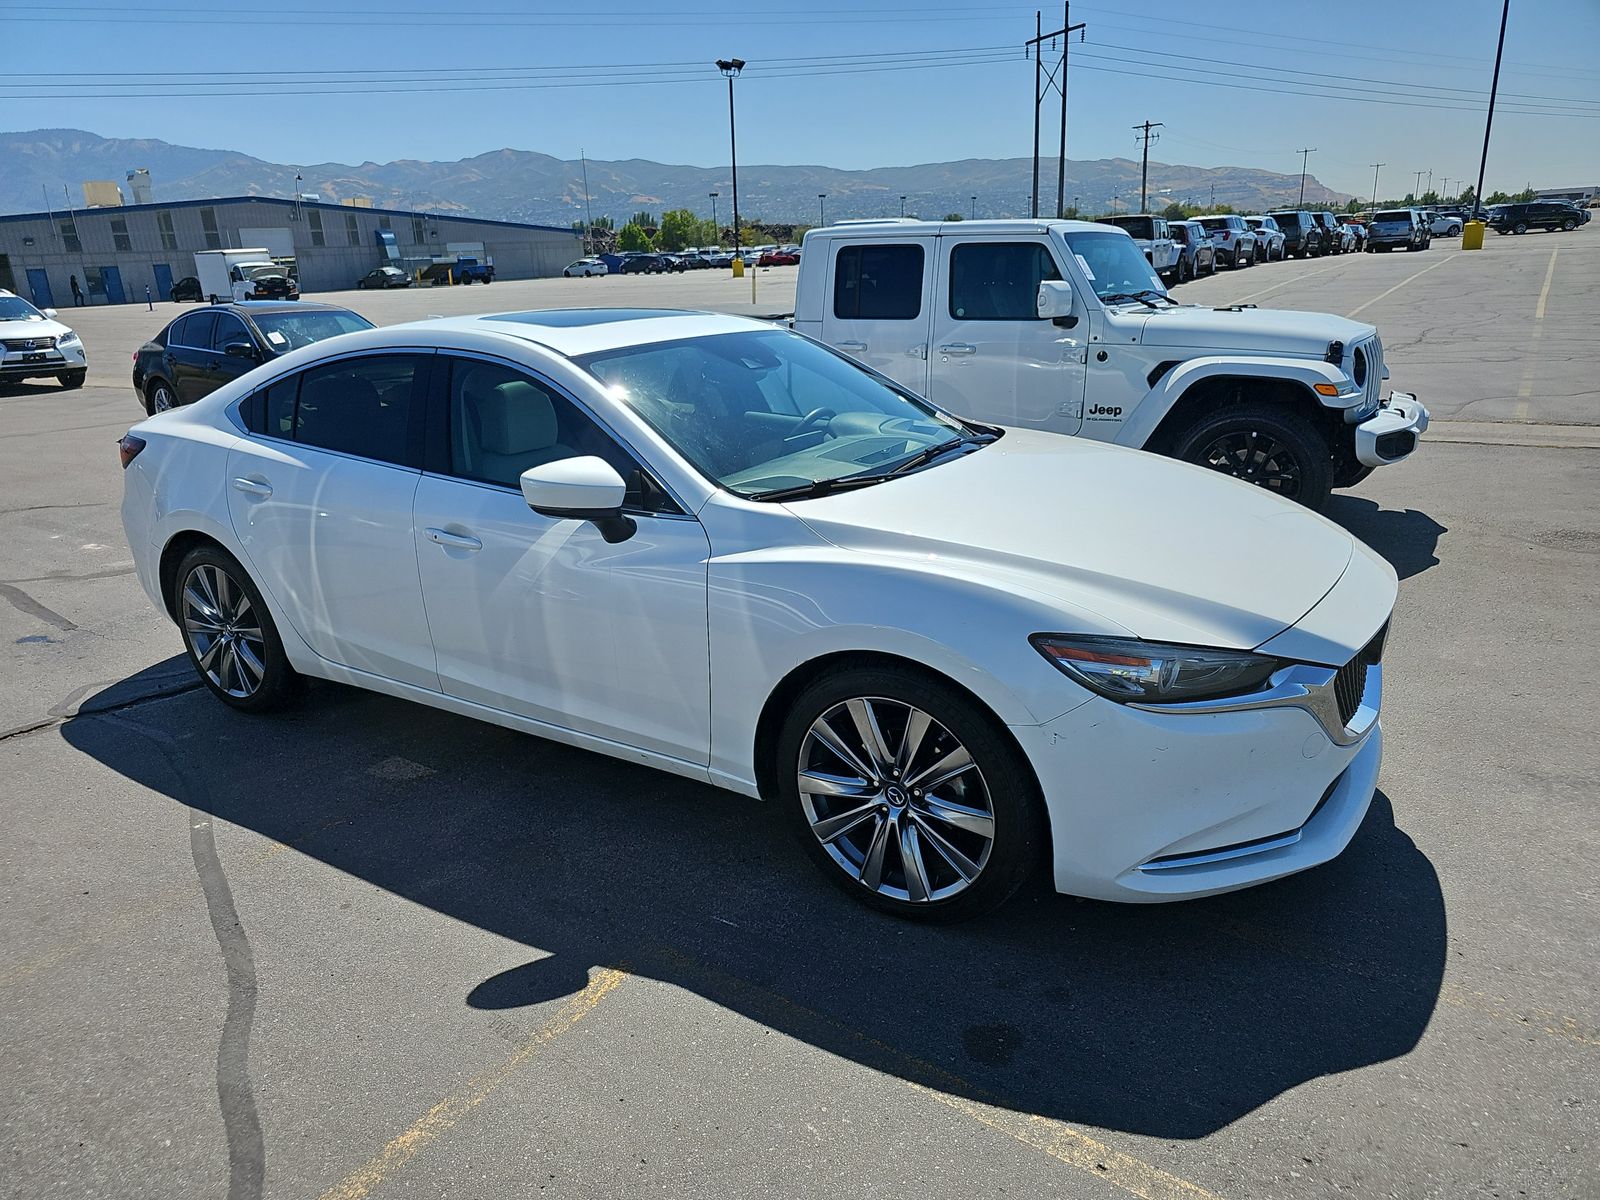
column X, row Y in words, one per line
column 39, row 285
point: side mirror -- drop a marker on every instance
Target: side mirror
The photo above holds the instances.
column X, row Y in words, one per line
column 1056, row 302
column 241, row 350
column 580, row 489
column 49, row 312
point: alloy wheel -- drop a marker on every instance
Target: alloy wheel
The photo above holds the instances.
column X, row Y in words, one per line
column 161, row 399
column 224, row 631
column 1254, row 457
column 895, row 800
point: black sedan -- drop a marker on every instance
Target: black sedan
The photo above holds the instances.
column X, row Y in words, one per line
column 204, row 349
column 384, row 277
column 187, row 288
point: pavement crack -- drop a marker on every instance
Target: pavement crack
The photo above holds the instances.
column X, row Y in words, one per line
column 247, row 1153
column 27, row 605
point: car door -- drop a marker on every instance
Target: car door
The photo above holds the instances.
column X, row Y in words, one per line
column 543, row 617
column 188, row 353
column 879, row 299
column 221, row 367
column 321, row 495
column 992, row 358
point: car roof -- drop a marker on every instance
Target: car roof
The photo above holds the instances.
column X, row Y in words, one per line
column 574, row 332
column 253, row 307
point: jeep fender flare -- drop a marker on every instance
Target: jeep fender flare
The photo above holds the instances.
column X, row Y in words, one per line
column 1305, row 373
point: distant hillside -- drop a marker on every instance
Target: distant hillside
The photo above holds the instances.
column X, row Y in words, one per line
column 523, row 185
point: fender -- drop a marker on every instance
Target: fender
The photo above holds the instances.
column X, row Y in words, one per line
column 1157, row 403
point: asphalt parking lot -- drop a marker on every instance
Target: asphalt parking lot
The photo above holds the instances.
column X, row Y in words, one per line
column 369, row 949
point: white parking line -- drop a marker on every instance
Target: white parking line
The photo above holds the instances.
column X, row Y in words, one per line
column 1525, row 392
column 1284, row 284
column 1363, row 307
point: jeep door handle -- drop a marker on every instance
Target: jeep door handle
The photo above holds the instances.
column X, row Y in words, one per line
column 253, row 487
column 851, row 345
column 455, row 541
column 958, row 349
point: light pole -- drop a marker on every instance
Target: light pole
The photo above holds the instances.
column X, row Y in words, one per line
column 1376, row 167
column 1075, row 207
column 974, row 208
column 1305, row 157
column 902, row 206
column 1488, row 124
column 822, row 208
column 731, row 67
column 716, row 229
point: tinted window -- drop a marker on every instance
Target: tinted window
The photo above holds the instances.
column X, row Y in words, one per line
column 878, row 283
column 1139, row 227
column 361, row 406
column 1403, row 215
column 229, row 329
column 998, row 281
column 196, row 331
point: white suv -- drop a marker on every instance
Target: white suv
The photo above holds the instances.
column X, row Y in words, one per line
column 34, row 345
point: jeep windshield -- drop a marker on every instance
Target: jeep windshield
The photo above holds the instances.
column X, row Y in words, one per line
column 1116, row 267
column 774, row 416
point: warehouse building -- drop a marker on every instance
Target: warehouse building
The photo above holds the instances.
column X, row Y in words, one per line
column 118, row 253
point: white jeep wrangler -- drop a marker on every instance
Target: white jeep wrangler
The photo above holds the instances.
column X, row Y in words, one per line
column 1064, row 326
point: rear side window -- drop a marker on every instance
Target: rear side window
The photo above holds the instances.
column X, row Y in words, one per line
column 174, row 334
column 999, row 281
column 878, row 283
column 196, row 331
column 362, row 406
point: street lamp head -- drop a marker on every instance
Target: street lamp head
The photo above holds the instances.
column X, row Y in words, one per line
column 714, row 195
column 730, row 66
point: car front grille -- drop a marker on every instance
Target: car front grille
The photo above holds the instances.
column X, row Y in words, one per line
column 1350, row 684
column 38, row 343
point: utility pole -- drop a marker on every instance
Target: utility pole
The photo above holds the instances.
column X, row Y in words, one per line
column 1043, row 82
column 1494, row 88
column 1213, row 195
column 1305, row 156
column 1376, row 167
column 716, row 228
column 1430, row 182
column 1416, row 188
column 974, row 208
column 902, row 206
column 822, row 208
column 1144, row 168
column 588, row 211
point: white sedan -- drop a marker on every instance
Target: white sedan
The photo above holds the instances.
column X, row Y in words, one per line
column 586, row 267
column 952, row 652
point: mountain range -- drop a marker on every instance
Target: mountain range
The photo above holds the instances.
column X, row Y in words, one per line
column 524, row 185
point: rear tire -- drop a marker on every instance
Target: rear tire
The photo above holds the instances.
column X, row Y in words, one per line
column 159, row 397
column 989, row 815
column 232, row 643
column 1268, row 444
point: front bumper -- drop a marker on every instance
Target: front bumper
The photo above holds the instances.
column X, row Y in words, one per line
column 1147, row 807
column 1392, row 432
column 42, row 364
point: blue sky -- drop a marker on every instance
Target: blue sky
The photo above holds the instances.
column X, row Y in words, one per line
column 868, row 83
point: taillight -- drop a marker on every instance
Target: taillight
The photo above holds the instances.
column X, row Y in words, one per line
column 128, row 448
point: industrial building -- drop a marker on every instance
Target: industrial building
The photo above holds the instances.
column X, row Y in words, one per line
column 120, row 251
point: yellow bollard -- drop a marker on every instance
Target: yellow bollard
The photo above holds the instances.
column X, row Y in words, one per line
column 738, row 268
column 1472, row 235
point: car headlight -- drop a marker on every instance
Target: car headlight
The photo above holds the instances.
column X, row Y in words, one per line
column 69, row 338
column 1125, row 669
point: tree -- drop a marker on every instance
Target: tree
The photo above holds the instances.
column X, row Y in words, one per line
column 1174, row 212
column 952, row 216
column 644, row 220
column 632, row 237
column 680, row 229
column 1354, row 206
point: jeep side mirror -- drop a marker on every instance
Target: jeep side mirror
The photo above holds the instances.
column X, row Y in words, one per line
column 1056, row 302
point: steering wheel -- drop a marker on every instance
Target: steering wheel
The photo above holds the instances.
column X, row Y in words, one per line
column 813, row 420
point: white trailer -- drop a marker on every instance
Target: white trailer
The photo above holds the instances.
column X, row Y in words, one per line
column 229, row 274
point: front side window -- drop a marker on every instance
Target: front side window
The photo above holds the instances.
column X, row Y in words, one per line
column 878, row 283
column 362, row 406
column 999, row 281
column 768, row 410
column 229, row 329
column 502, row 422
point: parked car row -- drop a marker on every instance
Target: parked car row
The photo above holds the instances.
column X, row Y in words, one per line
column 639, row 262
column 1549, row 215
column 1182, row 250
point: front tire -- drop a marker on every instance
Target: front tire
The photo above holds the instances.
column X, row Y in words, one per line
column 909, row 794
column 228, row 632
column 73, row 379
column 1270, row 445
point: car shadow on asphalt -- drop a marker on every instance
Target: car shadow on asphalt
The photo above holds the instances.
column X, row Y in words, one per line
column 1169, row 1020
column 1406, row 537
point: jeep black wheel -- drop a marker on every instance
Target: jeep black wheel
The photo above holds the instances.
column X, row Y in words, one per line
column 1267, row 444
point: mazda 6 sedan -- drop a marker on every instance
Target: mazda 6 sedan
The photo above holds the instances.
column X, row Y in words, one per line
column 955, row 654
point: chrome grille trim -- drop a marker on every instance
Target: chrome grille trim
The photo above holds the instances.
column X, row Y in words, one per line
column 38, row 343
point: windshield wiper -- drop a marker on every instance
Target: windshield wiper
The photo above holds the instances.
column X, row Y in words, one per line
column 1141, row 296
column 844, row 483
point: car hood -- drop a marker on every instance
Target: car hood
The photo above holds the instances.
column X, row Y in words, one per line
column 1249, row 330
column 1124, row 542
column 33, row 329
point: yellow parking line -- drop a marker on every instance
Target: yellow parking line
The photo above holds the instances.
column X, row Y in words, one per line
column 448, row 1112
column 1525, row 392
column 1363, row 307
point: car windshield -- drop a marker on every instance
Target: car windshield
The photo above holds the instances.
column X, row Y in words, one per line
column 15, row 308
column 287, row 331
column 261, row 270
column 1139, row 227
column 1115, row 266
column 768, row 411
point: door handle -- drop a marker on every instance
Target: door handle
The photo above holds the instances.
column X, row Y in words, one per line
column 851, row 345
column 958, row 349
column 456, row 541
column 252, row 487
